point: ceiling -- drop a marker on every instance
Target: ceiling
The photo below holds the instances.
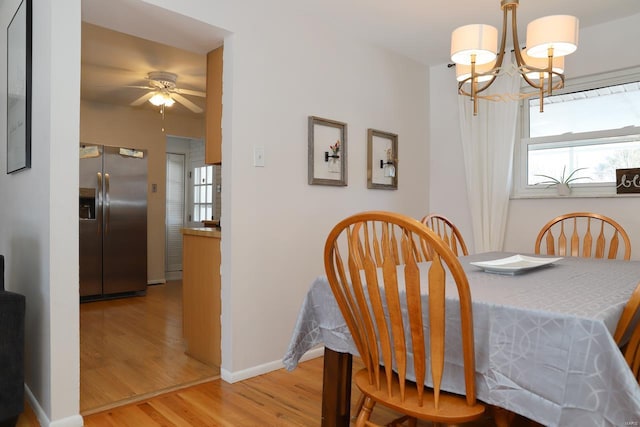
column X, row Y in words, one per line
column 418, row 29
column 113, row 62
column 421, row 29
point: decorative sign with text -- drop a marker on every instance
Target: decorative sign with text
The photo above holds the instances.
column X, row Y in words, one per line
column 628, row 181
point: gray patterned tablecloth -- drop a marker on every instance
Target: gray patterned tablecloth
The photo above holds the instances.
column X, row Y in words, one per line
column 543, row 340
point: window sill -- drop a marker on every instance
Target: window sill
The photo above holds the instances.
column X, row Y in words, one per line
column 578, row 193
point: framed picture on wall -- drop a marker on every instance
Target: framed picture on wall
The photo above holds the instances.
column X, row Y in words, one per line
column 382, row 160
column 19, row 89
column 327, row 156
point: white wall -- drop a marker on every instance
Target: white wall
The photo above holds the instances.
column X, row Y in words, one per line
column 601, row 48
column 274, row 224
column 38, row 216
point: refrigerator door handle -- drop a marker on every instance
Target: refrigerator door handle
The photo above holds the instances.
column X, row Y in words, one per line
column 99, row 207
column 107, row 203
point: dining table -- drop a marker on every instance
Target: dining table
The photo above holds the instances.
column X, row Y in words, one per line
column 543, row 336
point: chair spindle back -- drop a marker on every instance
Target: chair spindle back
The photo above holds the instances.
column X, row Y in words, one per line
column 584, row 234
column 379, row 274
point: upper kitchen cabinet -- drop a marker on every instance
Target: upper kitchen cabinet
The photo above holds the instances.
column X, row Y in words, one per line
column 213, row 126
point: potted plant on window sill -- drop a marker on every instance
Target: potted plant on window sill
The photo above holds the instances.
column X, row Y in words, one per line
column 563, row 184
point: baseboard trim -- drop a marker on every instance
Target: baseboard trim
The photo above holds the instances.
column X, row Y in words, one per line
column 173, row 275
column 43, row 419
column 233, row 377
column 156, row 282
column 72, row 421
column 147, row 396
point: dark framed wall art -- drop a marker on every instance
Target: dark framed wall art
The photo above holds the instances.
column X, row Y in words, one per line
column 327, row 156
column 382, row 160
column 19, row 88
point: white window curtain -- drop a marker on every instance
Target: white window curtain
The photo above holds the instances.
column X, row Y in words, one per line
column 488, row 143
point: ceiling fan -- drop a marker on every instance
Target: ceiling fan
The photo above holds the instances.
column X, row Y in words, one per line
column 163, row 92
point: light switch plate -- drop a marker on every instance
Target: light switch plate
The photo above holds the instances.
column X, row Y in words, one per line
column 258, row 157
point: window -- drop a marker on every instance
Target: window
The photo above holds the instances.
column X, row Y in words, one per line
column 203, row 181
column 593, row 125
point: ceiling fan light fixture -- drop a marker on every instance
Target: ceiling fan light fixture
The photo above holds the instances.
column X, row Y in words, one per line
column 157, row 99
column 162, row 99
column 162, row 92
column 168, row 101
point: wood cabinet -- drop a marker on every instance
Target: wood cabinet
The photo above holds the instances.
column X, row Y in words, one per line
column 201, row 303
column 213, row 120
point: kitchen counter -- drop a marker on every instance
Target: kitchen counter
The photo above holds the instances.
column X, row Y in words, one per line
column 201, row 303
column 202, row 231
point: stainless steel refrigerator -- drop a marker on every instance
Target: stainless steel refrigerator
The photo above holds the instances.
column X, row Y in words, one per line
column 113, row 222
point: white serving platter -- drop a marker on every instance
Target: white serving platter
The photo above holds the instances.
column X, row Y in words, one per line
column 514, row 264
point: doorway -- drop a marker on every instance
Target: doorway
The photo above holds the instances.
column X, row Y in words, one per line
column 174, row 215
column 145, row 333
column 179, row 154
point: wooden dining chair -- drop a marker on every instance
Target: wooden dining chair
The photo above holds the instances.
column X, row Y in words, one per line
column 632, row 352
column 372, row 294
column 447, row 232
column 628, row 315
column 627, row 335
column 588, row 236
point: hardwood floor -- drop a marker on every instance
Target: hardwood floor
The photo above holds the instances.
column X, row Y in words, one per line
column 279, row 398
column 132, row 348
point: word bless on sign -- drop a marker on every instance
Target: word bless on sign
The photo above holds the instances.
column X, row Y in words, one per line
column 628, row 181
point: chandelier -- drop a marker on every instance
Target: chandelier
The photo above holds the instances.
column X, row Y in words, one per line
column 541, row 63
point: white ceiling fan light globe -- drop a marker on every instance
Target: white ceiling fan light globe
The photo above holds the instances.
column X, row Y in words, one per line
column 168, row 101
column 162, row 99
column 164, row 93
column 476, row 39
column 157, row 99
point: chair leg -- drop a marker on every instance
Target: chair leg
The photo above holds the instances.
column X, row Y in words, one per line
column 365, row 412
column 502, row 417
column 359, row 404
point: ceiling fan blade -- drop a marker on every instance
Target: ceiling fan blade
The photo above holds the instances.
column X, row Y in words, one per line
column 142, row 99
column 184, row 101
column 190, row 92
column 139, row 87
